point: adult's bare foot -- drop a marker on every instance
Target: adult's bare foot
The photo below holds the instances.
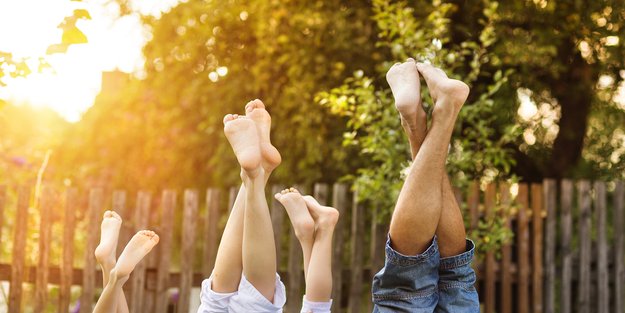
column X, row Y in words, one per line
column 136, row 249
column 325, row 217
column 302, row 221
column 109, row 234
column 448, row 94
column 255, row 110
column 403, row 78
column 243, row 136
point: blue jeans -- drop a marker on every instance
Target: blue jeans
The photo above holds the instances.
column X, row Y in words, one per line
column 426, row 282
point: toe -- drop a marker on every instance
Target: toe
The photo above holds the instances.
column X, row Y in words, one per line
column 228, row 118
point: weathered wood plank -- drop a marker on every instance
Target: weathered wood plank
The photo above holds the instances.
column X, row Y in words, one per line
column 506, row 252
column 188, row 250
column 523, row 251
column 277, row 222
column 603, row 281
column 473, row 207
column 490, row 278
column 538, row 214
column 340, row 202
column 46, row 205
column 619, row 257
column 357, row 255
column 137, row 279
column 168, row 207
column 119, row 206
column 3, row 200
column 549, row 199
column 566, row 226
column 94, row 213
column 295, row 270
column 585, row 246
column 19, row 251
column 66, row 268
column 211, row 234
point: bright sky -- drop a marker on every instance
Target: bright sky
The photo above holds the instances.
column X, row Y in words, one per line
column 28, row 27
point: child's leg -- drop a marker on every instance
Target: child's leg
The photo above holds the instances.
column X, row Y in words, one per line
column 138, row 247
column 302, row 221
column 319, row 284
column 106, row 251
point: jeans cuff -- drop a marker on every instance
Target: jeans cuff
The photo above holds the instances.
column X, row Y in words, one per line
column 397, row 258
column 459, row 260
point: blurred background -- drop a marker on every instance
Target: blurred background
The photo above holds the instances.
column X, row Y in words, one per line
column 130, row 94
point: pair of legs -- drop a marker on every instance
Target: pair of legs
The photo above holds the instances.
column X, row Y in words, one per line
column 246, row 257
column 428, row 257
column 314, row 225
column 116, row 273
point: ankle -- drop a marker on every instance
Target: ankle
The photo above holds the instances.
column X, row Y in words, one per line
column 116, row 277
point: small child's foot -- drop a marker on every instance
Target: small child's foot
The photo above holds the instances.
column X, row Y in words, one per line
column 109, row 234
column 255, row 110
column 302, row 221
column 403, row 78
column 138, row 247
column 243, row 137
column 448, row 94
column 325, row 217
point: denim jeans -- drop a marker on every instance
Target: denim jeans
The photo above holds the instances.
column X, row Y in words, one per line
column 426, row 282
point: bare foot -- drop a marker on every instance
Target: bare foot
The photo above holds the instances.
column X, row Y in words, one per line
column 137, row 248
column 302, row 221
column 243, row 137
column 325, row 217
column 405, row 85
column 448, row 94
column 255, row 110
column 109, row 234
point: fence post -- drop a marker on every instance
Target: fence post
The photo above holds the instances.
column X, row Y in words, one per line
column 489, row 205
column 19, row 252
column 339, row 201
column 585, row 245
column 538, row 213
column 357, row 257
column 549, row 198
column 211, row 236
column 188, row 249
column 619, row 261
column 89, row 270
column 46, row 205
column 69, row 228
column 137, row 279
column 168, row 206
column 566, row 225
column 523, row 252
column 603, row 290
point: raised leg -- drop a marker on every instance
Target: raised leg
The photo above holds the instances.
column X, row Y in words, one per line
column 418, row 209
column 106, row 251
column 301, row 220
column 138, row 247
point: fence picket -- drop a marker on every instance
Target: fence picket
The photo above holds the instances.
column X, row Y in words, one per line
column 566, row 221
column 3, row 199
column 506, row 252
column 277, row 222
column 168, row 206
column 340, row 202
column 119, row 206
column 357, row 255
column 603, row 290
column 538, row 212
column 585, row 245
column 522, row 241
column 549, row 199
column 46, row 205
column 187, row 249
column 89, row 271
column 211, row 236
column 19, row 252
column 137, row 279
column 619, row 258
column 489, row 206
column 66, row 268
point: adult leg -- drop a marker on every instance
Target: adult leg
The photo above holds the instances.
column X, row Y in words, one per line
column 105, row 253
column 301, row 220
column 138, row 247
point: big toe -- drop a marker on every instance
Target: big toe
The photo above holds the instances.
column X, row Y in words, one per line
column 229, row 118
column 254, row 104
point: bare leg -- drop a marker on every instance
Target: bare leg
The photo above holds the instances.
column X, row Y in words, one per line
column 106, row 251
column 229, row 259
column 302, row 221
column 138, row 247
column 319, row 283
column 418, row 209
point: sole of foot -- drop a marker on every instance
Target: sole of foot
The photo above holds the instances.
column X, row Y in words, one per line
column 403, row 78
column 325, row 217
column 137, row 248
column 448, row 94
column 109, row 234
column 243, row 137
column 302, row 221
column 256, row 111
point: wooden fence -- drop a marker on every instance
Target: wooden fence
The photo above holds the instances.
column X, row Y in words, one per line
column 567, row 254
